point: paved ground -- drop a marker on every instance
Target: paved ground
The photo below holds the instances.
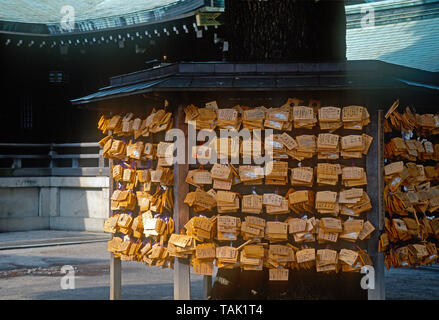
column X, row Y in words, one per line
column 13, row 240
column 413, row 284
column 34, row 273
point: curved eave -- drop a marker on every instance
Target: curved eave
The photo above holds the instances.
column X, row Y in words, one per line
column 360, row 75
column 89, row 100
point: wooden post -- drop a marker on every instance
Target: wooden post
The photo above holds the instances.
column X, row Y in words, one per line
column 51, row 154
column 181, row 216
column 115, row 278
column 101, row 163
column 115, row 263
column 207, row 286
column 375, row 189
column 16, row 163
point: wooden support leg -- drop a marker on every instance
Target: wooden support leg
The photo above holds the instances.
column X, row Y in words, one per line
column 182, row 280
column 182, row 283
column 379, row 292
column 115, row 263
column 207, row 286
column 115, row 278
column 376, row 215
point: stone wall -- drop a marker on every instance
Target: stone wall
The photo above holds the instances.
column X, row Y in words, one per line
column 59, row 203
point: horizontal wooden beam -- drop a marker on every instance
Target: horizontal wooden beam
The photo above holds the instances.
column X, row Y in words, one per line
column 76, row 156
column 80, row 171
column 24, row 156
column 45, row 145
column 59, row 172
column 76, row 145
column 25, row 145
column 25, row 172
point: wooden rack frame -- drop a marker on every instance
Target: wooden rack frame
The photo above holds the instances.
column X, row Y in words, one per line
column 374, row 169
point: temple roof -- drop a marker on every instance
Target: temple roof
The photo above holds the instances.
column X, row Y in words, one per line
column 404, row 33
column 45, row 17
column 224, row 76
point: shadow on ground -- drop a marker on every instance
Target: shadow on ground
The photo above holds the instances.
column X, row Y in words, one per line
column 15, row 261
column 162, row 291
column 412, row 284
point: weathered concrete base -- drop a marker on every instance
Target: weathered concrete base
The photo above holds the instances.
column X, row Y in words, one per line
column 24, row 224
column 77, row 224
column 61, row 203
